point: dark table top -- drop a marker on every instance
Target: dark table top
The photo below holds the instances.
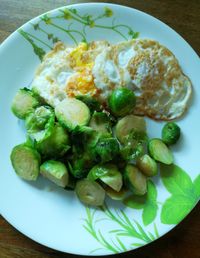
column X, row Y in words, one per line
column 184, row 17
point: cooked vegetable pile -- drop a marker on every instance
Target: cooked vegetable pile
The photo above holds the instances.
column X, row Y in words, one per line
column 84, row 147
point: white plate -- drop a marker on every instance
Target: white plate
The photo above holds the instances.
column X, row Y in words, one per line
column 54, row 217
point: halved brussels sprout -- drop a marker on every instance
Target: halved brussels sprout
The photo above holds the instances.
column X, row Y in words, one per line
column 106, row 149
column 100, row 122
column 90, row 192
column 107, row 173
column 129, row 124
column 56, row 145
column 40, row 123
column 122, row 101
column 118, row 196
column 56, row 172
column 26, row 162
column 147, row 165
column 135, row 180
column 72, row 112
column 23, row 103
column 160, row 152
column 171, row 133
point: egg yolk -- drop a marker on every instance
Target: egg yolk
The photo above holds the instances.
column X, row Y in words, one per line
column 81, row 83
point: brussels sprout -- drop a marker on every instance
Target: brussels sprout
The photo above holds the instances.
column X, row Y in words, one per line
column 129, row 124
column 80, row 165
column 106, row 149
column 118, row 196
column 56, row 172
column 135, row 180
column 25, row 161
column 107, row 173
column 160, row 152
column 72, row 112
column 90, row 192
column 147, row 165
column 122, row 101
column 170, row 133
column 23, row 103
column 132, row 151
column 92, row 103
column 100, row 122
column 40, row 123
column 56, row 145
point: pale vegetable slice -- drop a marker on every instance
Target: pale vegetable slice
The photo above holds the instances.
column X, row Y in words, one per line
column 90, row 192
column 26, row 162
column 56, row 172
column 72, row 112
column 135, row 180
column 23, row 103
column 127, row 124
column 147, row 165
column 107, row 173
column 160, row 152
column 118, row 196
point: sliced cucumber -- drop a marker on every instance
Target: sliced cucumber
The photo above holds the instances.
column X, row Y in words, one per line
column 26, row 162
column 72, row 112
column 135, row 180
column 56, row 172
column 160, row 152
column 90, row 192
column 107, row 173
column 23, row 103
column 127, row 124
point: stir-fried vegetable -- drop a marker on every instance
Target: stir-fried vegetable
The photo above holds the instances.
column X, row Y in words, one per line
column 122, row 101
column 160, row 152
column 55, row 171
column 25, row 161
column 90, row 192
column 171, row 133
column 23, row 103
column 85, row 148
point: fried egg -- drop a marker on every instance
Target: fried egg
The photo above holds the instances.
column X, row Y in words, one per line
column 97, row 68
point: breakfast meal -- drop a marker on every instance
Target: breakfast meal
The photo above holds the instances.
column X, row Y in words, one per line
column 84, row 116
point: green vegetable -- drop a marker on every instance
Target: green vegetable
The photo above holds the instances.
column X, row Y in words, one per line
column 147, row 165
column 72, row 112
column 160, row 152
column 23, row 103
column 114, row 194
column 100, row 122
column 56, row 145
column 55, row 171
column 132, row 151
column 92, row 103
column 171, row 133
column 135, row 180
column 90, row 192
column 25, row 161
column 40, row 123
column 122, row 101
column 129, row 124
column 80, row 165
column 107, row 173
column 106, row 149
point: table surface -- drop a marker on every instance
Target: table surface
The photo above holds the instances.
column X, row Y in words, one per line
column 184, row 17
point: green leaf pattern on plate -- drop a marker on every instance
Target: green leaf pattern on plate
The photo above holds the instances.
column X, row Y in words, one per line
column 147, row 202
column 70, row 17
column 184, row 194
